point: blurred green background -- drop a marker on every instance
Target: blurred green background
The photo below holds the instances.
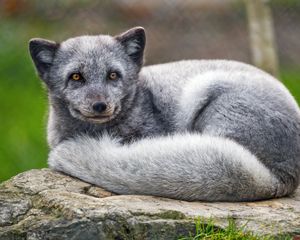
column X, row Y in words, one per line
column 175, row 30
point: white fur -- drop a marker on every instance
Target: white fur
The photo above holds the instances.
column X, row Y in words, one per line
column 223, row 99
column 161, row 166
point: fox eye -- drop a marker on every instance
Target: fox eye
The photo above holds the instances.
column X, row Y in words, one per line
column 76, row 76
column 113, row 76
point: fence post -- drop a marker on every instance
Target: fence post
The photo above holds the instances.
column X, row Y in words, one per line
column 262, row 39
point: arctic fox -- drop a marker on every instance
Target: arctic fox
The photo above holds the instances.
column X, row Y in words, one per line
column 210, row 130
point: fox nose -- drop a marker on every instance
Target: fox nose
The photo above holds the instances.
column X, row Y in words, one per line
column 99, row 107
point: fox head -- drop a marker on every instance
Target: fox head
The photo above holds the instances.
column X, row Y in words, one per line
column 92, row 76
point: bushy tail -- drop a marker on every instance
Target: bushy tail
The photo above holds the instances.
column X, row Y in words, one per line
column 186, row 167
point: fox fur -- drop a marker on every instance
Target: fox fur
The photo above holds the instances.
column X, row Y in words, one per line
column 210, row 130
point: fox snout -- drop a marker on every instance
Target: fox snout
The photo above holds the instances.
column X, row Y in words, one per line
column 96, row 104
column 99, row 107
column 97, row 111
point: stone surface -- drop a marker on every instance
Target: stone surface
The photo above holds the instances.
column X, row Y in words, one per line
column 42, row 204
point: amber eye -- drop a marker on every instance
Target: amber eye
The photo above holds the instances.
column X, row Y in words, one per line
column 113, row 76
column 76, row 76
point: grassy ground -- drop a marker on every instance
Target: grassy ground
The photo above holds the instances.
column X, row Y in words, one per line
column 207, row 231
column 23, row 100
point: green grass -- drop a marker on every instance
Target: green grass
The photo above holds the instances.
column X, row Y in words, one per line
column 23, row 106
column 291, row 79
column 23, row 101
column 206, row 230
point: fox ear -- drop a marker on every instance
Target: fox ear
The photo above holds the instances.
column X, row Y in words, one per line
column 42, row 52
column 134, row 41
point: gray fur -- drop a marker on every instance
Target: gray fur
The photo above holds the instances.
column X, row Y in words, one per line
column 212, row 130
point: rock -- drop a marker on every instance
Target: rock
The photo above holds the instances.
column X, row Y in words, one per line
column 43, row 204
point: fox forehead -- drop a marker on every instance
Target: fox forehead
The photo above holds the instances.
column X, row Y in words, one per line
column 87, row 49
column 90, row 51
column 87, row 44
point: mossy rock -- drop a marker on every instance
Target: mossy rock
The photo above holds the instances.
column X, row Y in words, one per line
column 43, row 204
